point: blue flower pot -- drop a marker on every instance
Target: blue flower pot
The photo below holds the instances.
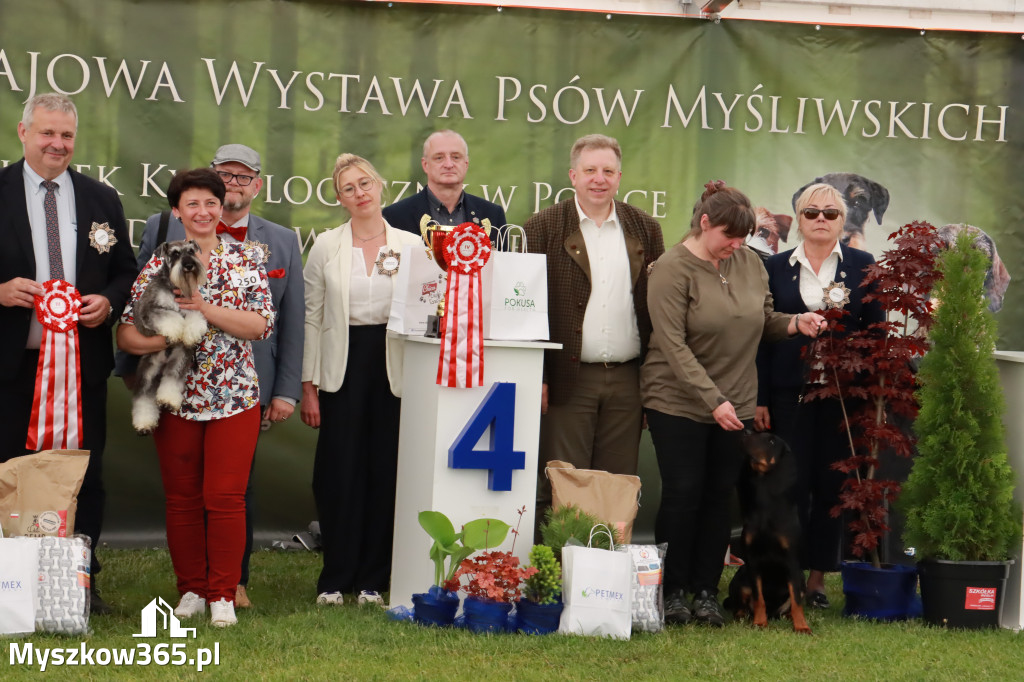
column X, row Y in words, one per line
column 436, row 607
column 486, row 615
column 886, row 593
column 537, row 619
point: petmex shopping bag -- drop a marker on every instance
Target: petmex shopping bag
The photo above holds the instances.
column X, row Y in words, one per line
column 596, row 593
column 19, row 574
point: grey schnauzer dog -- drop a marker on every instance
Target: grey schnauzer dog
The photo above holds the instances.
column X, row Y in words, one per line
column 161, row 375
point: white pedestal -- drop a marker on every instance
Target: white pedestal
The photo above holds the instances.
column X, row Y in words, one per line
column 1011, row 372
column 432, row 419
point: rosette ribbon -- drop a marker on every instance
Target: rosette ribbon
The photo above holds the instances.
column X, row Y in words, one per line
column 461, row 365
column 56, row 420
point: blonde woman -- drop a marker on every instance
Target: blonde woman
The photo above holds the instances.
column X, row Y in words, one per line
column 346, row 387
column 800, row 280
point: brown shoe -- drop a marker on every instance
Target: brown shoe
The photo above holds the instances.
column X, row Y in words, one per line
column 241, row 598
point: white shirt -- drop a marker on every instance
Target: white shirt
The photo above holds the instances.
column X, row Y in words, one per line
column 812, row 285
column 610, row 331
column 369, row 298
column 68, row 221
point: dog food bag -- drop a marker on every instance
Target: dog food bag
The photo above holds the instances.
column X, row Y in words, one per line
column 648, row 604
column 39, row 492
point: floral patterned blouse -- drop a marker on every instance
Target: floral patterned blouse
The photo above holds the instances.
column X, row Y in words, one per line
column 222, row 381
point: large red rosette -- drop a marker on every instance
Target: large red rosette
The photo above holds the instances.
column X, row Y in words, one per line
column 56, row 420
column 461, row 365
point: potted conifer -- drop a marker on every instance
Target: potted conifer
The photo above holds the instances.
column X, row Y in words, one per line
column 871, row 373
column 961, row 516
column 540, row 609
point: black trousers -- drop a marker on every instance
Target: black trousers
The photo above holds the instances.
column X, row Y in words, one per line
column 16, row 408
column 813, row 430
column 700, row 465
column 355, row 469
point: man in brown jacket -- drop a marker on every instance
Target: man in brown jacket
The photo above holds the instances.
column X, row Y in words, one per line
column 598, row 250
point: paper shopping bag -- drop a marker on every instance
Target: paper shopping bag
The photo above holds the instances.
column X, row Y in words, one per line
column 614, row 498
column 596, row 592
column 419, row 287
column 515, row 288
column 19, row 575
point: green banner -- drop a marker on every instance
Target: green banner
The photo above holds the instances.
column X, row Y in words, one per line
column 935, row 119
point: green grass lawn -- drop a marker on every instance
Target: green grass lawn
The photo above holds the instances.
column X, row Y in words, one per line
column 286, row 637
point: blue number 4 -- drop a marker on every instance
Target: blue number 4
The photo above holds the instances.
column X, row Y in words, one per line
column 497, row 411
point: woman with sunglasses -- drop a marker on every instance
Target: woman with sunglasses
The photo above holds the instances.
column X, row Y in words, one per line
column 710, row 306
column 819, row 272
column 347, row 388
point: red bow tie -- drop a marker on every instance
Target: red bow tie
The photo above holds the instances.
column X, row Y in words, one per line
column 236, row 232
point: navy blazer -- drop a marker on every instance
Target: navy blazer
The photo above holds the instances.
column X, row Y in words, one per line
column 407, row 213
column 110, row 274
column 779, row 365
column 278, row 358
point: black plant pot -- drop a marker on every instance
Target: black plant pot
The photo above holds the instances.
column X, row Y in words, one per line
column 963, row 594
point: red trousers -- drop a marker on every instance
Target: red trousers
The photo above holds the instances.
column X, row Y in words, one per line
column 205, row 467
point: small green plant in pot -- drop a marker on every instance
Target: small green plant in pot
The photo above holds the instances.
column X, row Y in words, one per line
column 959, row 497
column 539, row 610
column 438, row 605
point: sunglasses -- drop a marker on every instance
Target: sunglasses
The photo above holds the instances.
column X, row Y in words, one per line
column 812, row 213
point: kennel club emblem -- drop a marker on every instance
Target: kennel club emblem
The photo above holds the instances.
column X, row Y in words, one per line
column 56, row 418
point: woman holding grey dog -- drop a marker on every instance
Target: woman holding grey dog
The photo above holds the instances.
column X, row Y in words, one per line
column 206, row 446
column 819, row 272
column 347, row 387
column 710, row 307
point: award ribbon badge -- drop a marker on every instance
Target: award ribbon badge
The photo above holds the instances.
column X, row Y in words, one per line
column 461, row 365
column 56, row 420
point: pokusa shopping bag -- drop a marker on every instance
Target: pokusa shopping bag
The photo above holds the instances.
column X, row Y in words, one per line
column 515, row 297
column 596, row 586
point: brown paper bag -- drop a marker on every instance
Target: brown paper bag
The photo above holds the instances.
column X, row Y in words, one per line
column 39, row 492
column 612, row 497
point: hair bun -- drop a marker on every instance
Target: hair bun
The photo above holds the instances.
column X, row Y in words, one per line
column 712, row 187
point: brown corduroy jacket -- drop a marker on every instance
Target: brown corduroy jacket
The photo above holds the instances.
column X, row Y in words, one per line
column 555, row 231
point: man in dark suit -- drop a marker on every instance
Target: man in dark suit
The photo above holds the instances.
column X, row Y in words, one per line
column 445, row 161
column 279, row 357
column 59, row 224
column 598, row 250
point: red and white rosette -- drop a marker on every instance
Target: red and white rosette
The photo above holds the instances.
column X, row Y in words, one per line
column 461, row 364
column 56, row 420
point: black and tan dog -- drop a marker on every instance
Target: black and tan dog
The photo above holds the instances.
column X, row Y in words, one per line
column 770, row 584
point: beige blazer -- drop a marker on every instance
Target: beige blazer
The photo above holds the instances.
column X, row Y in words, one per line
column 327, row 274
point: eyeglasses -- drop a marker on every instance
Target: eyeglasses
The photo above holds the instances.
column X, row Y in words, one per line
column 242, row 180
column 812, row 213
column 365, row 184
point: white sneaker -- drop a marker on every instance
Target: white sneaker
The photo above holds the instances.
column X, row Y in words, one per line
column 222, row 613
column 370, row 597
column 191, row 604
column 334, row 598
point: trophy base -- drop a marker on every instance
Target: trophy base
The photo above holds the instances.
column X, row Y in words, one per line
column 433, row 327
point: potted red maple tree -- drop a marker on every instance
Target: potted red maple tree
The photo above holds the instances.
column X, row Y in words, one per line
column 871, row 372
column 493, row 579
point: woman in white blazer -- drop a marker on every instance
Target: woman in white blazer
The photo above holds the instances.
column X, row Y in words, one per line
column 346, row 391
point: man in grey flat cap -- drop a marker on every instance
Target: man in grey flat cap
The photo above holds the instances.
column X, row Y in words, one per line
column 278, row 358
